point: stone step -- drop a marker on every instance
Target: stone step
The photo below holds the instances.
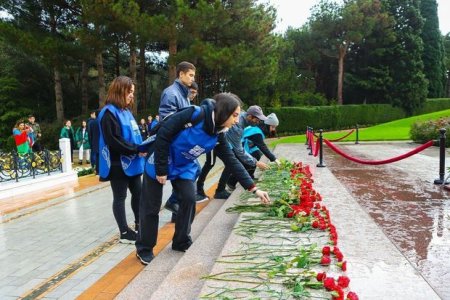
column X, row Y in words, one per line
column 175, row 275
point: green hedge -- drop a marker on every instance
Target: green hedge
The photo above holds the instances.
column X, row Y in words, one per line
column 294, row 120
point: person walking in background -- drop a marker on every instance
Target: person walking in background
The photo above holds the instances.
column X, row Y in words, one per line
column 173, row 157
column 93, row 136
column 36, row 134
column 67, row 132
column 21, row 137
column 83, row 145
column 154, row 122
column 120, row 161
column 149, row 122
column 143, row 129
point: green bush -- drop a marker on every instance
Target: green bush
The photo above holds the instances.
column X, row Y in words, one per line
column 293, row 120
column 422, row 132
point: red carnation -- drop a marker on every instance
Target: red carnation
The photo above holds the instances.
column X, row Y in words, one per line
column 337, row 294
column 321, row 276
column 328, row 283
column 343, row 281
column 352, row 296
column 326, row 250
column 339, row 256
column 326, row 260
column 315, row 224
column 343, row 265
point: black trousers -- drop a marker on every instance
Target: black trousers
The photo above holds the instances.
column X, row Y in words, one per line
column 119, row 186
column 209, row 164
column 150, row 205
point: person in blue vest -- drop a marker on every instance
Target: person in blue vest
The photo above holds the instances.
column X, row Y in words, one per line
column 120, row 161
column 253, row 138
column 173, row 157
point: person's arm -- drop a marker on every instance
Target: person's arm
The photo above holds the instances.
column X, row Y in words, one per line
column 112, row 133
column 224, row 152
column 169, row 129
column 233, row 136
column 258, row 141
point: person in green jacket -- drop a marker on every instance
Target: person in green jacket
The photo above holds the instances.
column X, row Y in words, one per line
column 82, row 140
column 67, row 132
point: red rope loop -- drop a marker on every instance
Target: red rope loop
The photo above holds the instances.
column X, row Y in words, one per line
column 341, row 138
column 379, row 162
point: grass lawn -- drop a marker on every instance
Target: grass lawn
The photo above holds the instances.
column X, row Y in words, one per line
column 394, row 130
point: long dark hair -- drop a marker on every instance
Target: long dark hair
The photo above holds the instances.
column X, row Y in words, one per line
column 118, row 90
column 226, row 104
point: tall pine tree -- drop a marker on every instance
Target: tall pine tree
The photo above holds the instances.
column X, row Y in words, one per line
column 409, row 86
column 433, row 49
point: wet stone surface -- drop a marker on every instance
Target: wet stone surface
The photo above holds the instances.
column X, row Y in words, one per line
column 413, row 212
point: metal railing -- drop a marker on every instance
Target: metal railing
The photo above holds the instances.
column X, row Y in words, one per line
column 14, row 166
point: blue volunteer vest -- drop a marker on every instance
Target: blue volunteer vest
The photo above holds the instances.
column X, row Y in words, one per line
column 248, row 132
column 185, row 148
column 132, row 165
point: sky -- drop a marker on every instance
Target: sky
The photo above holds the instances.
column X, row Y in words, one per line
column 296, row 12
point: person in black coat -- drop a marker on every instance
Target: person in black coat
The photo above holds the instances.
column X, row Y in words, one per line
column 172, row 157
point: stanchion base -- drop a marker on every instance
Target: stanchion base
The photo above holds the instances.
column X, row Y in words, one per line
column 320, row 165
column 310, row 154
column 356, row 142
column 441, row 181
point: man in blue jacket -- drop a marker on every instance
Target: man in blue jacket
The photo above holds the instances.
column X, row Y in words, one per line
column 173, row 98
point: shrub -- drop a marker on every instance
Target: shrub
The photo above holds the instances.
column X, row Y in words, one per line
column 422, row 132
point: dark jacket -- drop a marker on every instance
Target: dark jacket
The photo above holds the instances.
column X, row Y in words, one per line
column 173, row 125
column 258, row 141
column 93, row 134
column 173, row 98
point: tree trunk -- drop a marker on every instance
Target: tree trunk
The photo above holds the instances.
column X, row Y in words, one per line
column 58, row 96
column 142, row 82
column 172, row 55
column 84, row 87
column 101, row 80
column 342, row 52
column 133, row 57
column 117, row 53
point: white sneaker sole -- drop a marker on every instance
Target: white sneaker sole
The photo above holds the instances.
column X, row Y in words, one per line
column 125, row 241
column 202, row 200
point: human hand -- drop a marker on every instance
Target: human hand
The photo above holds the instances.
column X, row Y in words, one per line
column 263, row 196
column 262, row 165
column 278, row 162
column 142, row 154
column 162, row 179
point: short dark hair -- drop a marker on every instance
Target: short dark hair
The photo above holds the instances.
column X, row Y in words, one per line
column 30, row 116
column 184, row 66
column 194, row 86
column 226, row 104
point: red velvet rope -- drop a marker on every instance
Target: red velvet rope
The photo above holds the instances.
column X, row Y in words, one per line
column 317, row 148
column 379, row 162
column 311, row 142
column 341, row 138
